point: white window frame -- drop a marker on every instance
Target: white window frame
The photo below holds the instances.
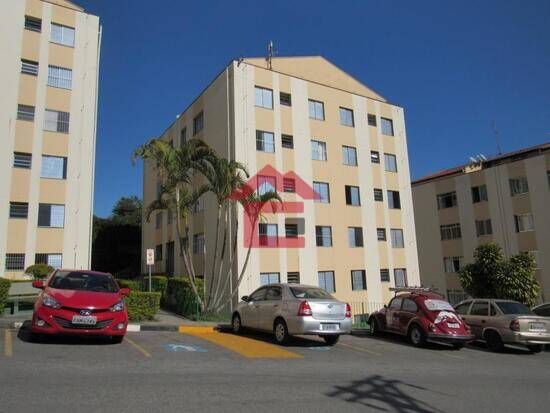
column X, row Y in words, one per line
column 349, row 154
column 390, row 162
column 63, row 35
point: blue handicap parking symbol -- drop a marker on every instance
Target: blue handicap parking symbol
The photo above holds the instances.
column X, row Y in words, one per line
column 320, row 348
column 184, row 347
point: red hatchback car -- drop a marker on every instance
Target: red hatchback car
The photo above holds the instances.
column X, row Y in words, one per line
column 80, row 302
column 422, row 316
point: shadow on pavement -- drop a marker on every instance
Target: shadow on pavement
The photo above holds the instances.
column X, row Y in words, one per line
column 402, row 341
column 382, row 394
column 24, row 334
column 481, row 346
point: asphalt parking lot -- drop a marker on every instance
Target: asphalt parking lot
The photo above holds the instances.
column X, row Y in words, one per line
column 203, row 370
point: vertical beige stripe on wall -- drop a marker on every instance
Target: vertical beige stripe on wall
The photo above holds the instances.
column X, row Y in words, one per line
column 467, row 217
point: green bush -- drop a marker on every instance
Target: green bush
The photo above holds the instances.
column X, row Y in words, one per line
column 39, row 271
column 142, row 306
column 4, row 290
column 179, row 296
column 133, row 285
column 158, row 284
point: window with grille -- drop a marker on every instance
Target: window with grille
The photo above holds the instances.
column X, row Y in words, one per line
column 394, row 201
column 293, row 277
column 387, row 126
column 287, row 141
column 158, row 252
column 358, row 280
column 198, row 243
column 266, row 184
column 265, row 141
column 22, row 160
column 479, row 193
column 400, row 277
column 54, row 167
column 62, row 35
column 484, row 227
column 291, row 230
column 268, row 234
column 19, row 209
column 322, row 192
column 25, row 112
column 326, row 281
column 519, row 186
column 33, row 24
column 269, row 278
column 390, row 162
column 447, row 200
column 371, row 119
column 318, row 150
column 14, row 261
column 355, row 237
column 29, row 67
column 53, row 260
column 374, row 157
column 56, row 121
column 350, row 155
column 285, row 99
column 352, row 195
column 323, row 235
column 316, row 110
column 378, row 195
column 289, row 185
column 397, row 240
column 381, row 234
column 50, row 215
column 384, row 275
column 263, row 97
column 452, row 264
column 524, row 222
column 60, row 77
column 198, row 123
column 346, row 117
column 451, row 231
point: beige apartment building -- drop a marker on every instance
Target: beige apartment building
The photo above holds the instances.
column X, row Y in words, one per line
column 306, row 116
column 48, row 105
column 504, row 199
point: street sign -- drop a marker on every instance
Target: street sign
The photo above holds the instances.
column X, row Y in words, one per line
column 150, row 256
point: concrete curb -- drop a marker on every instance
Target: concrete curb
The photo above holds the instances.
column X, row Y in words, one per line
column 133, row 328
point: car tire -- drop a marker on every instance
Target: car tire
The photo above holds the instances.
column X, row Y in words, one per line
column 416, row 336
column 494, row 342
column 535, row 348
column 374, row 328
column 236, row 324
column 331, row 340
column 117, row 339
column 280, row 331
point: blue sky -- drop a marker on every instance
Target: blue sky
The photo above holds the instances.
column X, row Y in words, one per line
column 454, row 66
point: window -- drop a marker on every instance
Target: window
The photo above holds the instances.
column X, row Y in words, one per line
column 480, row 308
column 323, row 236
column 375, row 157
column 352, row 195
column 462, row 309
column 158, row 252
column 62, row 35
column 293, row 277
column 19, row 209
column 479, row 193
column 285, row 99
column 198, row 123
column 29, row 67
column 50, row 215
column 198, row 243
column 350, row 155
column 322, row 189
column 266, row 184
column 447, row 200
column 291, row 230
column 384, row 275
column 409, row 305
column 397, row 238
column 60, row 77
column 183, row 137
column 394, row 202
column 396, row 304
column 355, row 237
column 400, row 277
column 268, row 234
column 452, row 264
column 346, row 117
column 56, row 121
column 318, row 150
column 269, row 278
column 289, row 185
column 524, row 222
column 371, row 119
column 264, row 97
column 536, row 257
column 316, row 110
column 287, row 141
column 390, row 162
column 198, row 206
column 265, row 141
column 387, row 126
column 381, row 234
column 358, row 280
column 15, row 262
column 53, row 167
column 378, row 195
column 158, row 220
column 33, row 24
column 451, row 231
column 273, row 293
column 22, row 160
column 326, row 281
column 53, row 260
column 519, row 186
column 484, row 227
column 25, row 112
column 258, row 295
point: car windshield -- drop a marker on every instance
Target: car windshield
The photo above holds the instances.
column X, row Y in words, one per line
column 438, row 305
column 309, row 292
column 80, row 281
column 509, row 307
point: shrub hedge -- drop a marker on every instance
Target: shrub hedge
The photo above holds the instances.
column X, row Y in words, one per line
column 133, row 285
column 179, row 296
column 158, row 284
column 4, row 290
column 39, row 271
column 142, row 306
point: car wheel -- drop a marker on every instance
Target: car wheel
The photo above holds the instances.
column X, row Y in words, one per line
column 494, row 342
column 236, row 324
column 374, row 329
column 280, row 331
column 117, row 339
column 535, row 348
column 416, row 336
column 331, row 340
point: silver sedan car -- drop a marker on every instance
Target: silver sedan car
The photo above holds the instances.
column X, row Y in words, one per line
column 293, row 309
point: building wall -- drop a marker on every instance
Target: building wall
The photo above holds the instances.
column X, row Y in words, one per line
column 73, row 241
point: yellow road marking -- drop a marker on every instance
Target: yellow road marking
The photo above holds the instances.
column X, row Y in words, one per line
column 137, row 346
column 244, row 346
column 8, row 345
column 363, row 350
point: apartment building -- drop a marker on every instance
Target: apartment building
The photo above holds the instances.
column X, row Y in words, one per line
column 504, row 200
column 303, row 117
column 48, row 105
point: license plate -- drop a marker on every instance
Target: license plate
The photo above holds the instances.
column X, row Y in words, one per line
column 330, row 327
column 84, row 320
column 537, row 327
column 453, row 325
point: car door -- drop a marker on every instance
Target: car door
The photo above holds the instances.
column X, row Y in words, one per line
column 409, row 309
column 269, row 307
column 392, row 313
column 477, row 318
column 250, row 311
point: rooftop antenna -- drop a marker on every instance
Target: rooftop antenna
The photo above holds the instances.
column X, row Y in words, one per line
column 269, row 54
column 497, row 137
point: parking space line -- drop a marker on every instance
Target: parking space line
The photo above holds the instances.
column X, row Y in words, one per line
column 137, row 346
column 362, row 350
column 8, row 343
column 244, row 346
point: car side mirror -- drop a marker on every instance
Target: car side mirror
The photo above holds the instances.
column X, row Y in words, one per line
column 125, row 291
column 385, row 306
column 38, row 284
column 245, row 298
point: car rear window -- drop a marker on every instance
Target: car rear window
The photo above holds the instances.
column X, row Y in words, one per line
column 512, row 308
column 438, row 305
column 81, row 281
column 309, row 292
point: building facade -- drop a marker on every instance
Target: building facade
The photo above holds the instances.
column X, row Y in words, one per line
column 48, row 105
column 304, row 117
column 503, row 200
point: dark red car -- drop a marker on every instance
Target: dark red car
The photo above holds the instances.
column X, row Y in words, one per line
column 80, row 302
column 421, row 316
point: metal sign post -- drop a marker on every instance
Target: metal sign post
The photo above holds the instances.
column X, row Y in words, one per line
column 150, row 263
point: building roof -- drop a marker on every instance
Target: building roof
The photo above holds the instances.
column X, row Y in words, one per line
column 496, row 160
column 66, row 3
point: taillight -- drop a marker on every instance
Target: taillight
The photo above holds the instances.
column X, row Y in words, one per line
column 348, row 311
column 514, row 325
column 304, row 309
